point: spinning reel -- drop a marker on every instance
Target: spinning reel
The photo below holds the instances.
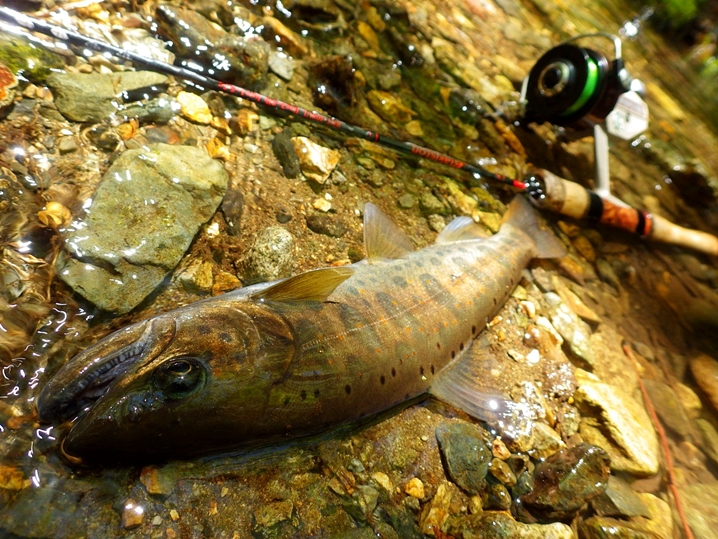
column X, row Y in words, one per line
column 577, row 87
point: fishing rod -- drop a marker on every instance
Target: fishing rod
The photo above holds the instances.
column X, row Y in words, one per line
column 545, row 189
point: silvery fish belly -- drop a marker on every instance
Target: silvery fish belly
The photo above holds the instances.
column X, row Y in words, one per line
column 297, row 356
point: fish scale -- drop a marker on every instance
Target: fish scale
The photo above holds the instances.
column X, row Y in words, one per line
column 297, row 356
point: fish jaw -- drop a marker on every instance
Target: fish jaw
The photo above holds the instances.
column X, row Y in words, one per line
column 87, row 376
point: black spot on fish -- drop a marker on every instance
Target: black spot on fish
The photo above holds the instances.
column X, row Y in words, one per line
column 382, row 379
column 421, row 371
column 399, row 281
column 225, row 337
column 473, row 330
column 204, row 329
column 494, row 300
column 393, row 371
column 453, row 354
column 438, row 346
column 239, row 357
column 432, row 369
column 303, row 395
column 348, row 389
column 461, row 347
column 316, row 393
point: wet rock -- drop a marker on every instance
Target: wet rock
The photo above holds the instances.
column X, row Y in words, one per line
column 575, row 332
column 226, row 57
column 465, row 453
column 383, row 481
column 286, row 154
column 273, row 513
column 431, row 205
column 415, row 488
column 611, row 528
column 8, row 82
column 333, row 84
column 11, row 478
column 668, row 406
column 574, row 302
column 705, row 373
column 132, row 237
column 438, row 510
column 619, row 424
column 709, row 436
column 41, row 512
column 316, row 161
column 660, row 521
column 281, row 65
column 326, row 224
column 566, row 481
column 132, row 514
column 502, row 472
column 690, row 401
column 322, row 204
column 619, row 500
column 496, row 497
column 546, row 441
column 197, row 278
column 157, row 481
column 700, row 508
column 389, row 107
column 363, row 501
column 500, row 525
column 271, row 256
column 275, row 31
column 94, row 97
column 194, row 108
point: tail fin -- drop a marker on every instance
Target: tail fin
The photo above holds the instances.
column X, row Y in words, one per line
column 522, row 216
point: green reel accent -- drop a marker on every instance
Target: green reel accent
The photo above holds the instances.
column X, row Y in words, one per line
column 588, row 89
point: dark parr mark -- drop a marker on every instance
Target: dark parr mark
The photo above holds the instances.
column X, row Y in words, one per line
column 393, row 371
column 204, row 329
column 399, row 281
column 382, row 379
column 225, row 337
column 348, row 389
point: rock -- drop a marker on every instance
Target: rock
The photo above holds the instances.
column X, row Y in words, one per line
column 41, row 512
column 573, row 301
column 194, row 108
column 144, row 214
column 546, row 441
column 93, row 97
column 430, row 205
column 363, row 501
column 11, row 478
column 611, row 528
column 407, row 201
column 499, row 449
column 271, row 257
column 156, row 482
column 566, row 481
column 438, row 510
column 389, row 107
column 574, row 331
column 699, row 503
column 436, row 222
column 660, row 521
column 415, row 488
column 709, row 436
column 619, row 500
column 132, row 514
column 383, row 481
column 584, row 248
column 316, row 161
column 689, row 400
column 326, row 224
column 500, row 525
column 497, row 497
column 197, row 278
column 281, row 65
column 668, row 406
column 273, row 513
column 8, row 82
column 502, row 472
column 286, row 154
column 619, row 424
column 322, row 204
column 465, row 453
column 705, row 373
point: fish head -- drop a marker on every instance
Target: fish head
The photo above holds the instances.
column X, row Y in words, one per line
column 198, row 380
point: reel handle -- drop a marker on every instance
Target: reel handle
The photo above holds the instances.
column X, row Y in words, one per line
column 573, row 200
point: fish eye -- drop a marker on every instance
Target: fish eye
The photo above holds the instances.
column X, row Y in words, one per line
column 179, row 377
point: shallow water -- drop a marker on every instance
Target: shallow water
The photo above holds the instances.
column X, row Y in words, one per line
column 357, row 482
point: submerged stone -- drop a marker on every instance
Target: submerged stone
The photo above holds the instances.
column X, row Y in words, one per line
column 619, row 500
column 272, row 255
column 500, row 525
column 94, row 97
column 143, row 217
column 705, row 372
column 566, row 481
column 466, row 455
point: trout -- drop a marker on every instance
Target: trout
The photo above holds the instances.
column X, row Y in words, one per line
column 297, row 356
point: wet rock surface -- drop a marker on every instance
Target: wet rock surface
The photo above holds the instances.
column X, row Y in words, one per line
column 467, row 457
column 128, row 234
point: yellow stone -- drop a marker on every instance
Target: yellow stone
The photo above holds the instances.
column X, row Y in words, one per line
column 194, row 108
column 415, row 488
column 383, row 480
column 54, row 215
column 11, row 478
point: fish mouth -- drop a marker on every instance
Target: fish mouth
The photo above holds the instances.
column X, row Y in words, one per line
column 88, row 376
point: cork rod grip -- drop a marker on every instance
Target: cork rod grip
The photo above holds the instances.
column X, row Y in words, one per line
column 573, row 200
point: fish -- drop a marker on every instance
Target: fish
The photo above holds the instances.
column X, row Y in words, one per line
column 298, row 356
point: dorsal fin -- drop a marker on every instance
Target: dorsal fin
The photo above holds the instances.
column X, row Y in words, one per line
column 382, row 238
column 461, row 228
column 316, row 285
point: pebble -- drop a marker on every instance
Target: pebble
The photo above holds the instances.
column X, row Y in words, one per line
column 573, row 301
column 224, row 282
column 389, row 107
column 415, row 488
column 497, row 497
column 436, row 222
column 67, row 145
column 546, row 441
column 709, row 436
column 619, row 424
column 11, row 478
column 465, row 453
column 705, row 373
column 327, row 224
column 383, row 481
column 155, row 481
column 8, row 81
column 584, row 248
column 132, row 514
column 668, row 406
column 273, row 513
column 429, row 204
column 499, row 449
column 194, row 108
column 619, row 500
column 317, row 162
column 607, row 274
column 281, row 65
column 271, row 257
column 699, row 503
column 322, row 204
column 501, row 471
column 437, row 511
column 407, row 201
column 500, row 525
column 566, row 481
column 690, row 401
column 573, row 330
column 197, row 278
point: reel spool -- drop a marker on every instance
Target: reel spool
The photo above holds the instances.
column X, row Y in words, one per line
column 575, row 86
